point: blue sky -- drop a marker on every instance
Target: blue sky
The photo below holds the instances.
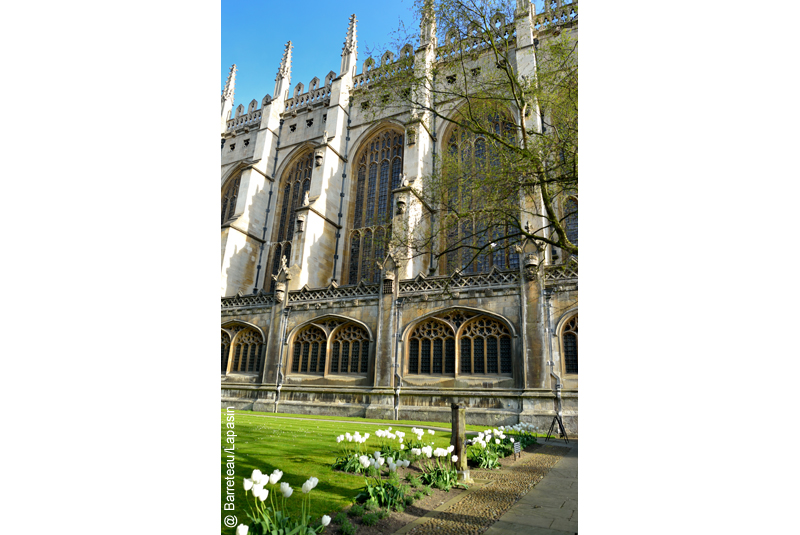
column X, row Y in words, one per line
column 254, row 33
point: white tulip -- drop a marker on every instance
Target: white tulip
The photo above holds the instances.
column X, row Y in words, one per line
column 366, row 436
column 451, row 448
column 512, row 440
column 257, row 475
column 454, row 458
column 497, row 441
column 248, row 484
column 390, row 460
column 263, row 494
column 430, row 431
column 376, row 454
column 402, row 446
column 286, row 489
column 314, row 482
column 326, row 520
column 275, row 476
column 242, row 529
column 307, row 487
column 389, row 429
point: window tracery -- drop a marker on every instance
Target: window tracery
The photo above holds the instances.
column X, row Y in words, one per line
column 378, row 170
column 569, row 340
column 229, row 194
column 350, row 350
column 571, row 219
column 309, row 351
column 247, row 351
column 469, row 222
column 483, row 345
column 296, row 183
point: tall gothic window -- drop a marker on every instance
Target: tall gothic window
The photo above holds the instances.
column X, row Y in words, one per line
column 309, row 351
column 378, row 170
column 296, row 181
column 469, row 223
column 229, row 194
column 571, row 219
column 246, row 353
column 482, row 347
column 569, row 341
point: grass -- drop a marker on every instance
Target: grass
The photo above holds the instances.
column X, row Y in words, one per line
column 392, row 423
column 301, row 448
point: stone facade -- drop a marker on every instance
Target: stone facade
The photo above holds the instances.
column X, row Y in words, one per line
column 405, row 341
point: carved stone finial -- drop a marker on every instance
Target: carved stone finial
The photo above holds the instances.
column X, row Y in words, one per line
column 401, row 206
column 324, row 137
column 428, row 25
column 305, row 199
column 227, row 93
column 318, row 155
column 283, row 263
column 285, row 70
column 350, row 42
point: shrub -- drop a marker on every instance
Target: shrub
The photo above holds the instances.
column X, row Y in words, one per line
column 427, row 491
column 399, row 507
column 370, row 519
column 409, row 499
column 413, row 480
column 371, row 505
column 356, row 510
column 383, row 492
column 341, row 518
column 383, row 513
column 347, row 528
column 419, row 495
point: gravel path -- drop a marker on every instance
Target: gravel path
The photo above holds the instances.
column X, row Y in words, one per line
column 483, row 507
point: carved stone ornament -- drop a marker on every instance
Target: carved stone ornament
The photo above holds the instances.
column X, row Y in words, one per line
column 317, row 161
column 411, row 136
column 403, row 180
column 280, row 290
column 531, row 259
column 305, row 199
column 284, row 267
column 301, row 220
column 530, row 273
column 401, row 207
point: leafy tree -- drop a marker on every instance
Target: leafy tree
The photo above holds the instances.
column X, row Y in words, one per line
column 511, row 130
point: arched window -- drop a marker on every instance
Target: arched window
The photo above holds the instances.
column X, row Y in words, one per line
column 378, row 170
column 483, row 346
column 350, row 350
column 569, row 342
column 469, row 222
column 432, row 348
column 226, row 348
column 247, row 349
column 296, row 181
column 571, row 219
column 309, row 351
column 229, row 194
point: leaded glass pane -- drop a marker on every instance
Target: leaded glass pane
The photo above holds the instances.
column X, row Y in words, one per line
column 571, row 223
column 296, row 358
column 426, row 356
column 373, row 175
column 505, row 354
column 236, row 357
column 314, row 354
column 366, row 257
column 365, row 356
column 571, row 352
column 466, row 355
column 478, row 356
column 437, row 355
column 450, row 355
column 491, row 355
column 355, row 243
column 362, row 173
column 413, row 356
column 354, row 357
column 304, row 364
column 345, row 357
column 335, row 357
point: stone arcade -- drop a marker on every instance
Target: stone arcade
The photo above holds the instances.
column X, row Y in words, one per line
column 315, row 320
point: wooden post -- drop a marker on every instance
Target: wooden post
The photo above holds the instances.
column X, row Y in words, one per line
column 458, row 421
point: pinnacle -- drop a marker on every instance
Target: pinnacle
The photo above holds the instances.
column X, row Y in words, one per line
column 285, row 70
column 230, row 83
column 350, row 41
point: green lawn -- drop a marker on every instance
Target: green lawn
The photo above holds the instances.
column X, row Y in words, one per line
column 301, row 448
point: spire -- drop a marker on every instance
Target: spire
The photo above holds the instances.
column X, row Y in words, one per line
column 227, row 93
column 285, row 70
column 350, row 49
column 350, row 42
column 428, row 24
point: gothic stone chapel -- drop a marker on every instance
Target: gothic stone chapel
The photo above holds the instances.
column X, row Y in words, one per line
column 318, row 314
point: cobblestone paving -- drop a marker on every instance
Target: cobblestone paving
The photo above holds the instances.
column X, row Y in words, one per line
column 483, row 507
